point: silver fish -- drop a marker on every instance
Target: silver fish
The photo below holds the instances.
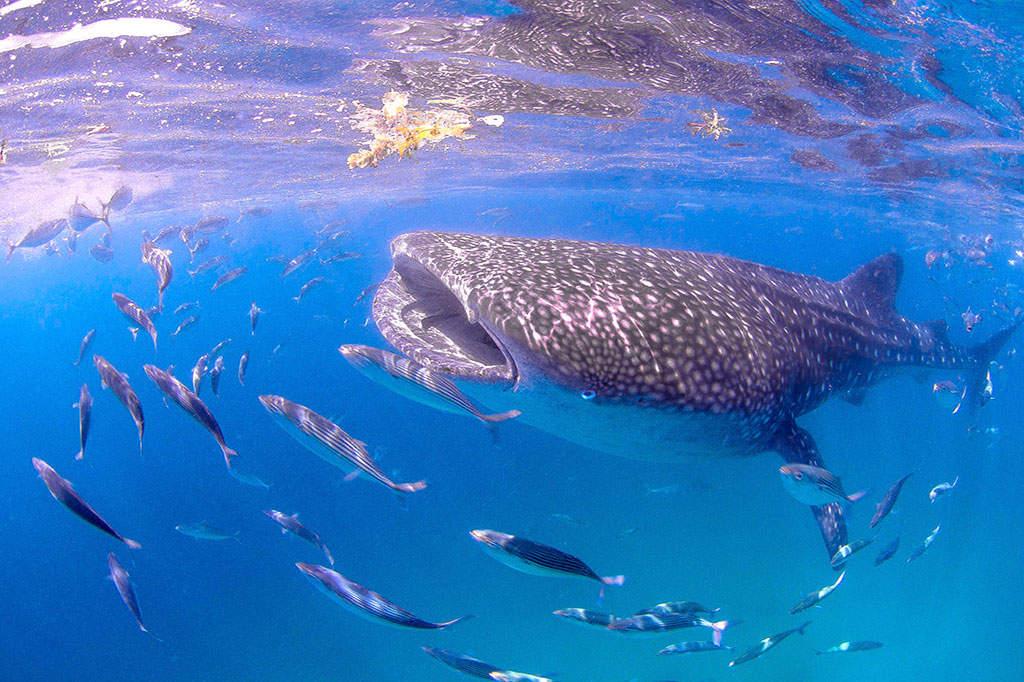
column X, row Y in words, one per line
column 166, row 233
column 136, row 314
column 86, row 342
column 62, row 491
column 186, row 234
column 186, row 306
column 306, row 287
column 657, row 624
column 534, row 558
column 814, row 485
column 190, row 402
column 765, row 644
column 254, row 316
column 587, row 617
column 887, row 502
column 851, row 646
column 39, row 235
column 942, row 489
column 412, row 380
column 123, row 583
column 341, row 257
column 254, row 212
column 846, row 551
column 198, row 372
column 229, row 276
column 325, row 439
column 920, row 549
column 118, row 201
column 513, row 676
column 692, row 647
column 291, row 524
column 84, row 406
column 208, row 264
column 211, row 223
column 364, row 602
column 243, row 364
column 185, row 324
column 82, row 218
column 204, row 531
column 118, row 383
column 218, row 367
column 199, row 247
column 297, row 262
column 103, row 254
column 216, row 349
column 678, row 607
column 466, row 665
column 815, row 597
column 248, row 479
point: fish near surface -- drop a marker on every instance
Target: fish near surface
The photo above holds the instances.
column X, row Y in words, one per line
column 654, row 353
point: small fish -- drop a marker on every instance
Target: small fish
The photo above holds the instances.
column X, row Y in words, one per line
column 254, row 317
column 118, row 201
column 186, row 234
column 103, row 254
column 136, row 314
column 86, row 342
column 190, row 402
column 160, row 260
column 587, row 617
column 204, row 531
column 306, row 287
column 277, row 349
column 198, row 372
column 243, row 364
column 84, row 406
column 254, row 212
column 850, row 646
column 199, row 247
column 297, row 262
column 366, row 292
column 664, row 490
column 331, row 241
column 815, row 597
column 970, row 319
column 72, row 242
column 814, row 486
column 118, row 383
column 888, row 551
column 534, row 558
column 691, row 647
column 657, row 624
column 678, row 607
column 229, row 276
column 325, row 439
column 248, row 479
column 186, row 306
column 185, row 324
column 290, row 524
column 513, row 676
column 166, row 233
column 942, row 489
column 412, row 380
column 765, row 644
column 920, row 549
column 462, row 663
column 216, row 349
column 341, row 257
column 82, row 218
column 364, row 602
column 887, row 502
column 123, row 583
column 62, row 491
column 846, row 551
column 211, row 223
column 569, row 519
column 39, row 235
column 218, row 367
column 207, row 265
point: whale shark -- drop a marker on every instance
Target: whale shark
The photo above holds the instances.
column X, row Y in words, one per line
column 657, row 354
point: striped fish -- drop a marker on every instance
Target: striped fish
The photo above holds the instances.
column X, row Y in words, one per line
column 416, row 382
column 185, row 324
column 62, row 491
column 657, row 624
column 291, row 524
column 364, row 602
column 464, row 664
column 851, row 646
column 160, row 260
column 813, row 485
column 886, row 504
column 118, row 383
column 86, row 342
column 84, row 406
column 123, row 583
column 243, row 364
column 324, row 438
column 208, row 264
column 218, row 367
column 677, row 607
column 229, row 276
column 534, row 558
column 136, row 314
column 587, row 617
column 513, row 676
column 692, row 647
column 765, row 644
column 198, row 372
column 816, row 596
column 190, row 402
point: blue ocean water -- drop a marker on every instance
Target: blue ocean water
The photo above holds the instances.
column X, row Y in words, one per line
column 855, row 129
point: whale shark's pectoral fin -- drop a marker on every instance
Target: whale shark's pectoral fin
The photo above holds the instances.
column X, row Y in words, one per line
column 796, row 445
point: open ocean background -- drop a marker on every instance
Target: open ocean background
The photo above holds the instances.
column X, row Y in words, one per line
column 857, row 128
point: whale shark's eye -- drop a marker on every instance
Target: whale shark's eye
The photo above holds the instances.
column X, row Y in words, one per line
column 588, row 394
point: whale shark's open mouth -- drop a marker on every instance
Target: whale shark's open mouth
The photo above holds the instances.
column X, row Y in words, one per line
column 434, row 322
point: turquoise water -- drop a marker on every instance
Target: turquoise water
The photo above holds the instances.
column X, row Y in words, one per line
column 856, row 130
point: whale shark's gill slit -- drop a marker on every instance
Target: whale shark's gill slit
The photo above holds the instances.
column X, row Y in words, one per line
column 435, row 327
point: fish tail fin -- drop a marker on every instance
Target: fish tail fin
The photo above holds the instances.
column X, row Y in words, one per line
column 801, row 628
column 614, row 580
column 493, row 418
column 977, row 377
column 453, row 622
column 296, row 298
column 718, row 628
column 10, row 249
column 410, row 487
column 132, row 543
column 955, row 481
column 229, row 454
column 327, row 553
column 80, row 455
column 856, row 496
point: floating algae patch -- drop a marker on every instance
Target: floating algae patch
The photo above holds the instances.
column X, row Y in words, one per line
column 398, row 129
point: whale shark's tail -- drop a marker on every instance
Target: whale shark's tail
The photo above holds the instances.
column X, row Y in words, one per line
column 978, row 390
column 796, row 445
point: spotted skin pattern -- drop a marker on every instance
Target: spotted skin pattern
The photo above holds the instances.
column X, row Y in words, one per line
column 744, row 347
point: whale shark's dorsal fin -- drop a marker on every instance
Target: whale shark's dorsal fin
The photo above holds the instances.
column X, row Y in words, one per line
column 873, row 286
